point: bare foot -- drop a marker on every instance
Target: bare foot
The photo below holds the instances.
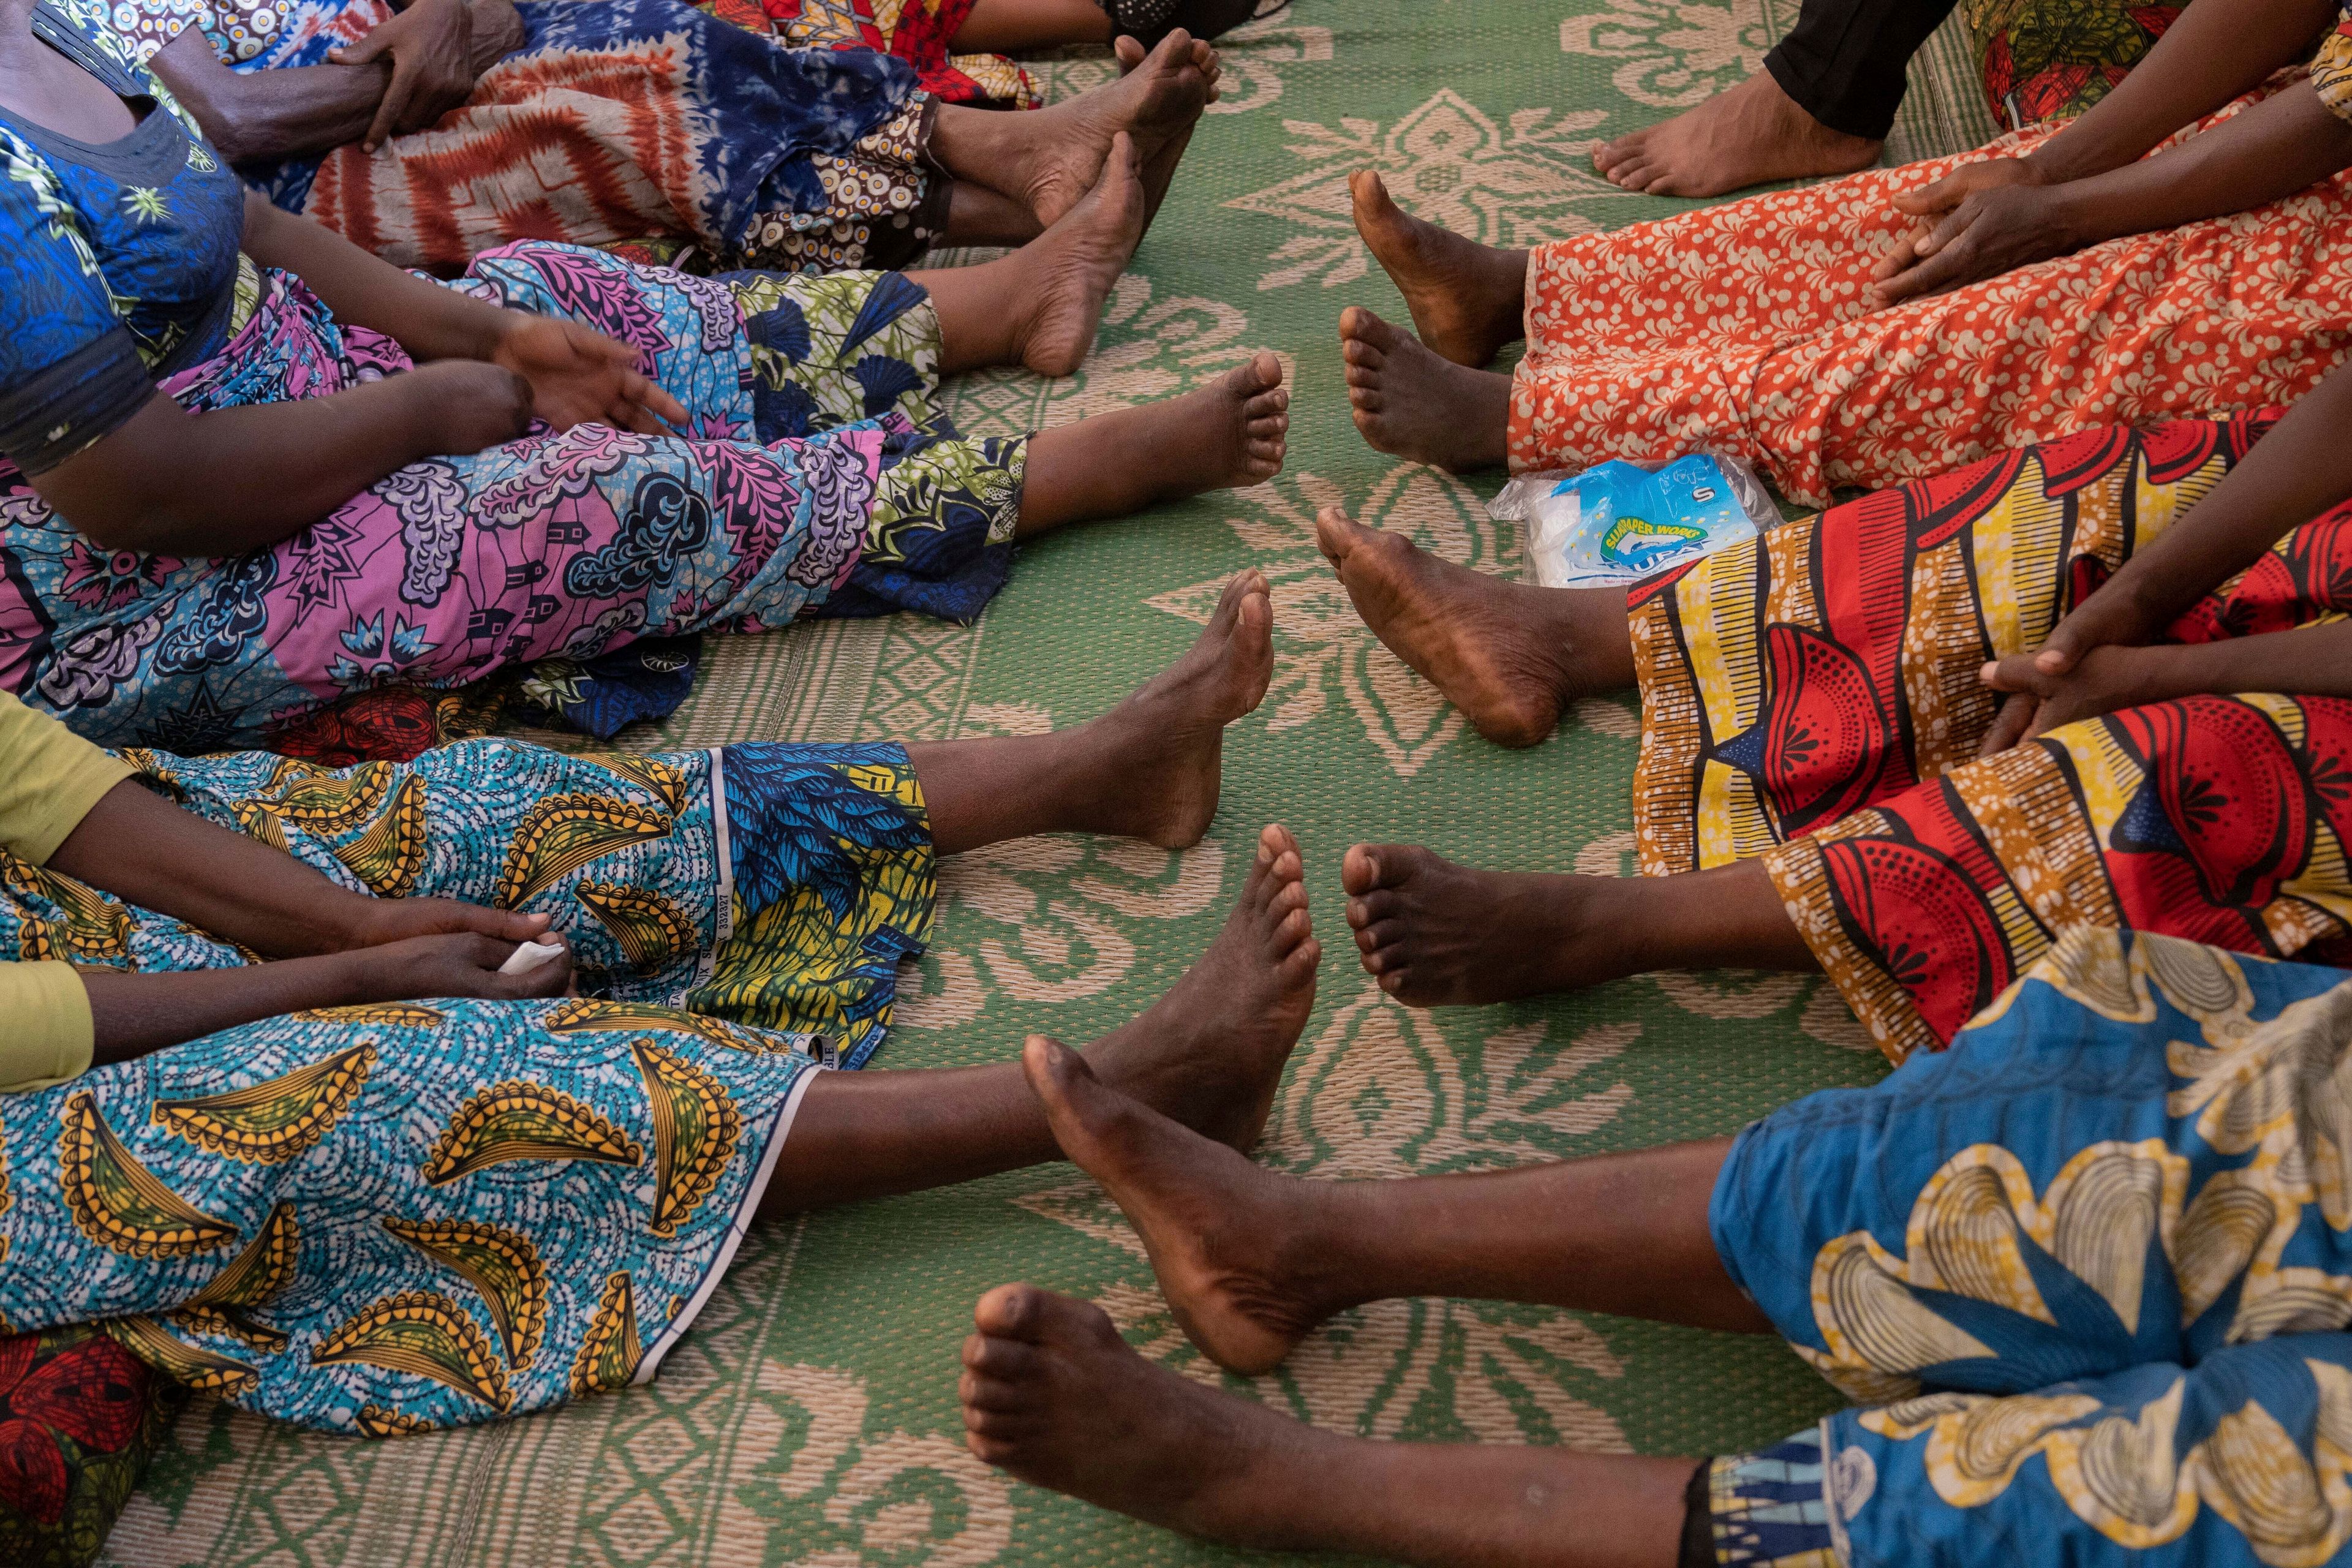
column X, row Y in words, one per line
column 1159, row 172
column 1750, row 135
column 1411, row 404
column 1228, row 1238
column 1210, row 1053
column 1435, row 934
column 1078, row 259
column 1160, row 754
column 1227, row 434
column 1156, row 103
column 1509, row 655
column 1052, row 1395
column 1467, row 300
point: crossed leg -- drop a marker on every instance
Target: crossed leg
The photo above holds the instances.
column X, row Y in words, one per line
column 1251, row 1260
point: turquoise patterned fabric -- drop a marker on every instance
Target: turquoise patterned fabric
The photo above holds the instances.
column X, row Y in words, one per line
column 386, row 1218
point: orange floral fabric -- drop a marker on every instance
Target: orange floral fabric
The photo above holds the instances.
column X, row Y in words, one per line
column 1739, row 330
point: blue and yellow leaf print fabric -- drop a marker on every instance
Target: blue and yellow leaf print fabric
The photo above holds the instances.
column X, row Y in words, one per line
column 393, row 1218
column 2088, row 1272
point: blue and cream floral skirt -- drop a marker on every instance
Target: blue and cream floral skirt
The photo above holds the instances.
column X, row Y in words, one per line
column 386, row 1219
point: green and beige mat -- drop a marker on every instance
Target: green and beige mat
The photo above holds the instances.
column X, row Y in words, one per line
column 809, row 1416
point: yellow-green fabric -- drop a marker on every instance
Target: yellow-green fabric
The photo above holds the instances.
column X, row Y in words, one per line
column 49, row 779
column 49, row 1035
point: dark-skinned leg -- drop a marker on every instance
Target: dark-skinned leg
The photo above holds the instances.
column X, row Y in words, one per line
column 1039, row 306
column 1437, row 934
column 1467, row 300
column 1209, row 1053
column 1509, row 655
column 1410, row 402
column 1251, row 1260
column 1019, row 26
column 1052, row 1395
column 1047, row 158
column 1149, row 768
column 979, row 216
column 1226, row 435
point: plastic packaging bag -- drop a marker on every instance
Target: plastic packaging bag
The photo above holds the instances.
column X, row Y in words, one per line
column 1617, row 521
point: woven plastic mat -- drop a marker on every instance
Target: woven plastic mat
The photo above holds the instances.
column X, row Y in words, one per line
column 809, row 1416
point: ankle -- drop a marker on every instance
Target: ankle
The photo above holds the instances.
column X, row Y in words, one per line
column 1326, row 1237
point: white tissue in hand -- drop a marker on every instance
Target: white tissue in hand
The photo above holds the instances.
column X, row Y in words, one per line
column 532, row 955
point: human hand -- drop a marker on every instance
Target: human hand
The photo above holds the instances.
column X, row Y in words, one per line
column 1979, row 222
column 379, row 923
column 462, row 964
column 432, row 49
column 498, row 33
column 469, row 405
column 2100, row 680
column 577, row 376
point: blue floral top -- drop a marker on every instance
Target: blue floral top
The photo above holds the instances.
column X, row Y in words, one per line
column 122, row 259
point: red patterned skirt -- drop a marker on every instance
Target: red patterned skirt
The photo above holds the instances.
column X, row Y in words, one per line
column 1812, row 697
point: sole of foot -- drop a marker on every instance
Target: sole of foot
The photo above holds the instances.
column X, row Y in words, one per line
column 1435, row 934
column 1413, row 403
column 1160, row 169
column 1218, row 1229
column 1162, row 749
column 1466, row 300
column 1210, row 1053
column 1156, row 103
column 1750, row 135
column 1079, row 259
column 1476, row 638
column 1052, row 1395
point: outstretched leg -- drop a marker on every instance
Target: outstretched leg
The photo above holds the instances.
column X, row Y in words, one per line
column 1750, row 135
column 1467, row 300
column 1435, row 934
column 1208, row 1054
column 1409, row 403
column 1251, row 1260
column 1509, row 655
column 1149, row 768
column 1052, row 1395
column 1224, row 436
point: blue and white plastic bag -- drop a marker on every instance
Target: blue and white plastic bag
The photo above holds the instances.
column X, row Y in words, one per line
column 1619, row 523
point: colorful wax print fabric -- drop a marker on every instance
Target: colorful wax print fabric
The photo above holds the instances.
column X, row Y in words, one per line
column 1812, row 696
column 389, row 1218
column 123, row 262
column 2051, row 60
column 79, row 1417
column 1766, row 1509
column 2088, row 1271
column 800, row 391
column 1740, row 329
column 921, row 32
column 2331, row 68
column 631, row 120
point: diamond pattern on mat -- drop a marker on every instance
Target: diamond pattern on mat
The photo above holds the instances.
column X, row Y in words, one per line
column 1446, row 161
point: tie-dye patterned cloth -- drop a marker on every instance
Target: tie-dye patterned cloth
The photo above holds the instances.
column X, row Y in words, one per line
column 621, row 120
column 388, row 1218
column 807, row 486
column 2086, row 1273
